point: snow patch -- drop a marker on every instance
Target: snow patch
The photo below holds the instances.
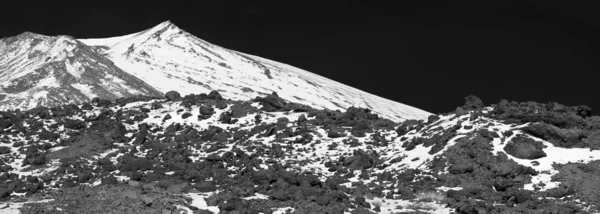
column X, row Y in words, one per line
column 40, row 95
column 75, row 69
column 198, row 200
column 85, row 89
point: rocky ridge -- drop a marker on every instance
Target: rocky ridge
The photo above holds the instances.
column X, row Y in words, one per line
column 203, row 153
column 38, row 70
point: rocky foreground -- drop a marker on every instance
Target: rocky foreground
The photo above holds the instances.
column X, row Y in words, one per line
column 206, row 154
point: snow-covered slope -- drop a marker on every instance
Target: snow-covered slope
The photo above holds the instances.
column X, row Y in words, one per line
column 169, row 58
column 42, row 70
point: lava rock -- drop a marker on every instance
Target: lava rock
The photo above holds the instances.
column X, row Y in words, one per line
column 207, row 110
column 301, row 118
column 4, row 193
column 358, row 133
column 406, row 126
column 460, row 168
column 109, row 180
column 215, row 95
column 335, row 133
column 4, row 150
column 522, row 196
column 103, row 103
column 566, row 138
column 173, row 96
column 205, row 186
column 361, row 210
column 271, row 102
column 525, row 148
column 503, row 184
column 221, row 105
column 74, row 124
column 359, row 161
column 334, row 181
column 186, row 115
column 432, row 118
column 472, row 102
column 406, row 176
column 231, row 204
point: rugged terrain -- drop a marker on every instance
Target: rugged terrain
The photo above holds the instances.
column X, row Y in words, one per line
column 205, row 153
column 38, row 70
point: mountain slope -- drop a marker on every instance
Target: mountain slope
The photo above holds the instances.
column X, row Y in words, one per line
column 184, row 155
column 37, row 70
column 169, row 58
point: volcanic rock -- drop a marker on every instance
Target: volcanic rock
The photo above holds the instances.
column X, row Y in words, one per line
column 173, row 96
column 525, row 148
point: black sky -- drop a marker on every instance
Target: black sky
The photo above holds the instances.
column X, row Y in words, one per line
column 428, row 54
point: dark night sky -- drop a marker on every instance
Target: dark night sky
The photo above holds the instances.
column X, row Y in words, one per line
column 428, row 54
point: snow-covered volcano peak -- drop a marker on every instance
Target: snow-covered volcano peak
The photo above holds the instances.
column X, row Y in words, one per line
column 169, row 58
column 160, row 59
column 165, row 25
column 126, row 43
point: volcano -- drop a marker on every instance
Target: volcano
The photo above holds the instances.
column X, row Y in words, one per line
column 44, row 70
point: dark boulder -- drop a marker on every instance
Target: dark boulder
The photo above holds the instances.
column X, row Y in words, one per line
column 432, row 118
column 460, row 168
column 87, row 106
column 103, row 103
column 173, row 96
column 358, row 133
column 522, row 196
column 271, row 102
column 335, row 133
column 207, row 110
column 566, row 138
column 501, row 184
column 4, row 150
column 406, row 176
column 359, row 161
column 46, row 135
column 215, row 95
column 135, row 164
column 5, row 123
column 201, row 211
column 109, row 180
column 323, row 200
column 472, row 103
column 511, row 169
column 42, row 112
column 155, row 105
column 205, row 186
column 186, row 115
column 238, row 111
column 407, row 126
column 221, row 105
column 301, row 118
column 74, row 124
column 4, row 193
column 525, row 148
column 232, row 204
column 333, row 182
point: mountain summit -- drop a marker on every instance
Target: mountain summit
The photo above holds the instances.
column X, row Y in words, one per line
column 37, row 69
